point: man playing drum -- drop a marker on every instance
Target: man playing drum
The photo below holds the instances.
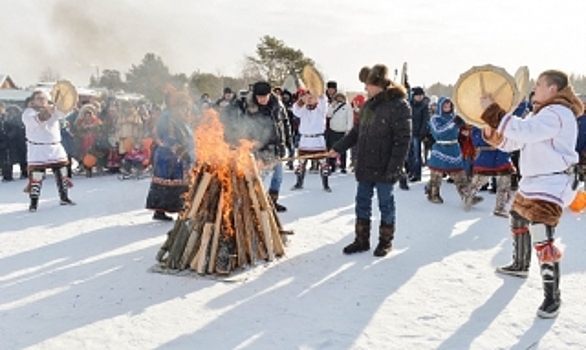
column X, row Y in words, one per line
column 546, row 139
column 43, row 135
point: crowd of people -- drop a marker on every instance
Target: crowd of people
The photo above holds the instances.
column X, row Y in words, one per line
column 530, row 156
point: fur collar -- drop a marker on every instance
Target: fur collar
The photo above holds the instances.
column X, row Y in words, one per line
column 565, row 97
column 393, row 92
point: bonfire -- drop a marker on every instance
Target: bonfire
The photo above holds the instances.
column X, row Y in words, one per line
column 228, row 221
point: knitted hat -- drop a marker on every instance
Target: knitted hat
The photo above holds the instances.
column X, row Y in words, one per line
column 261, row 88
column 331, row 84
column 378, row 75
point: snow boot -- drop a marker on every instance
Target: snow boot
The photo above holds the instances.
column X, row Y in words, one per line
column 403, row 183
column 274, row 196
column 385, row 239
column 521, row 248
column 362, row 240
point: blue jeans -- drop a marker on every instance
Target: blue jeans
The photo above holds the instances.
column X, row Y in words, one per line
column 277, row 178
column 415, row 158
column 386, row 201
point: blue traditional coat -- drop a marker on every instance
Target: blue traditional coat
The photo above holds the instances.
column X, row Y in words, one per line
column 489, row 160
column 446, row 154
column 171, row 163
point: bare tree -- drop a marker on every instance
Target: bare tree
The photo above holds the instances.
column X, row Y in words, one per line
column 49, row 75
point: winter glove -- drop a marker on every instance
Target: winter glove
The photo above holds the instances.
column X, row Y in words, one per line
column 493, row 115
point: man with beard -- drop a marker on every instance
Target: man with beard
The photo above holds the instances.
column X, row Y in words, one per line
column 383, row 133
column 546, row 138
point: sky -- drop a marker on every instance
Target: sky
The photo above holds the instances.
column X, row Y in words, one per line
column 438, row 39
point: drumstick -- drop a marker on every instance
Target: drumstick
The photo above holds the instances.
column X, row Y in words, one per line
column 498, row 91
column 307, row 156
column 482, row 87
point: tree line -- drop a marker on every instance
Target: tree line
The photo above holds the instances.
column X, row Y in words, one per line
column 273, row 61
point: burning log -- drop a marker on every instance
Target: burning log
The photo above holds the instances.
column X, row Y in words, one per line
column 228, row 221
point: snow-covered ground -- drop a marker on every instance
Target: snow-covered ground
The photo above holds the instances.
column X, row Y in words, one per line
column 77, row 278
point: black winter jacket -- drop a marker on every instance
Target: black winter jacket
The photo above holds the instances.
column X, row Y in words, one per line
column 382, row 135
column 267, row 125
column 420, row 113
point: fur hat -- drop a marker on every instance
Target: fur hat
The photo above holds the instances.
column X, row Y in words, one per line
column 417, row 91
column 261, row 88
column 378, row 75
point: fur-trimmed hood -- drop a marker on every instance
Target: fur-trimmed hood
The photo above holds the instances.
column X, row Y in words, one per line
column 565, row 97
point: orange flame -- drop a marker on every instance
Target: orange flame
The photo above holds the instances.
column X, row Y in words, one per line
column 222, row 159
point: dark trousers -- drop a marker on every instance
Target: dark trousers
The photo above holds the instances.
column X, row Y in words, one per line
column 331, row 138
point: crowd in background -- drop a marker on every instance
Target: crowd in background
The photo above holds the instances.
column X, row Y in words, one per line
column 118, row 136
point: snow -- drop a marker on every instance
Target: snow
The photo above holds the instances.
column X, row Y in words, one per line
column 77, row 278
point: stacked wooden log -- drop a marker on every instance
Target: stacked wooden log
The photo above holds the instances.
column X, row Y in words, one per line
column 228, row 222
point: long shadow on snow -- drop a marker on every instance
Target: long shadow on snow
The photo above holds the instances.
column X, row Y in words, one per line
column 344, row 287
column 79, row 291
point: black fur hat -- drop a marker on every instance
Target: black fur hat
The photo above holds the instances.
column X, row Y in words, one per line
column 261, row 88
column 378, row 75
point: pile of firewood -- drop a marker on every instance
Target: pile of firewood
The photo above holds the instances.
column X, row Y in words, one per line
column 228, row 222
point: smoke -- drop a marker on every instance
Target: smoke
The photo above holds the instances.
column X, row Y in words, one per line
column 77, row 39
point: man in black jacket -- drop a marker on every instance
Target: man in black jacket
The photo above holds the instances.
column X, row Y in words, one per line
column 265, row 121
column 420, row 112
column 382, row 134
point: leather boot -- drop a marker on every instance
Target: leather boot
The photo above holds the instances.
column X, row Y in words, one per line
column 274, row 196
column 385, row 239
column 362, row 240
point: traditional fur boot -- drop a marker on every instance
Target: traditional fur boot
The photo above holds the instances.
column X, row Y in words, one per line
column 325, row 173
column 274, row 195
column 300, row 173
column 433, row 194
column 35, row 185
column 521, row 248
column 549, row 256
column 62, row 185
column 385, row 239
column 362, row 240
column 502, row 195
column 550, row 274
